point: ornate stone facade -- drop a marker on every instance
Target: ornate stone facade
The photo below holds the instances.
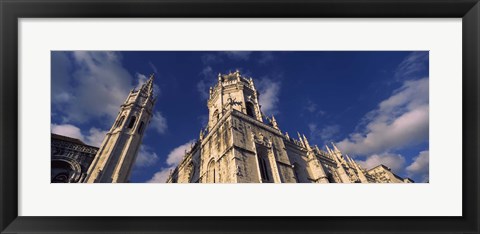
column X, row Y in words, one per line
column 70, row 159
column 239, row 145
column 242, row 145
column 384, row 174
column 119, row 149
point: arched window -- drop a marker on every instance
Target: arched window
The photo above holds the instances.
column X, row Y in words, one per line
column 190, row 172
column 211, row 172
column 296, row 170
column 140, row 128
column 330, row 177
column 250, row 109
column 264, row 164
column 132, row 121
column 63, row 171
column 263, row 169
column 60, row 178
column 120, row 121
column 216, row 115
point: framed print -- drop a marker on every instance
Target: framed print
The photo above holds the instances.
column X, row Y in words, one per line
column 269, row 116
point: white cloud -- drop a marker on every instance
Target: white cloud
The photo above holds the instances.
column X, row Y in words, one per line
column 395, row 161
column 61, row 67
column 311, row 106
column 67, row 130
column 412, row 65
column 219, row 57
column 90, row 77
column 154, row 68
column 269, row 91
column 211, row 59
column 207, row 81
column 159, row 122
column 238, row 55
column 312, row 109
column 326, row 134
column 207, row 72
column 161, row 176
column 173, row 159
column 420, row 166
column 177, row 154
column 79, row 84
column 399, row 121
column 145, row 157
column 141, row 79
column 94, row 138
column 203, row 120
column 202, row 89
column 265, row 57
column 312, row 127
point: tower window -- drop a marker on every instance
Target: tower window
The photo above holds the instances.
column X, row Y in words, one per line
column 140, row 128
column 190, row 172
column 264, row 164
column 216, row 115
column 250, row 109
column 296, row 171
column 263, row 169
column 211, row 172
column 132, row 121
column 120, row 121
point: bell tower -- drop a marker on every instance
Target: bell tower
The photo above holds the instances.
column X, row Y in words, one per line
column 233, row 91
column 116, row 156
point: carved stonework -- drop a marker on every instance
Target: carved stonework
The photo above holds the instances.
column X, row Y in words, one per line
column 262, row 140
column 240, row 147
column 70, row 159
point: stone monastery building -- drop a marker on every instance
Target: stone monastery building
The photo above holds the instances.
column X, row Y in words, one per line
column 239, row 145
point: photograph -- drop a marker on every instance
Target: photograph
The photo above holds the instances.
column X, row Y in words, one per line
column 273, row 116
column 239, row 117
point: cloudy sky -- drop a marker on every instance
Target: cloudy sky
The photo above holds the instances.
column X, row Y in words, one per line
column 374, row 105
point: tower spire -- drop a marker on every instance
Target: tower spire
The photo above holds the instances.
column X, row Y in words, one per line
column 360, row 174
column 300, row 139
column 335, row 147
column 305, row 141
column 116, row 156
column 201, row 135
column 147, row 87
column 274, row 122
column 341, row 171
column 350, row 161
column 338, row 153
column 328, row 150
column 317, row 149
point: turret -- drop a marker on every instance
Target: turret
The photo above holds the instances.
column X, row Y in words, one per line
column 341, row 171
column 300, row 139
column 307, row 145
column 359, row 171
column 233, row 92
column 338, row 154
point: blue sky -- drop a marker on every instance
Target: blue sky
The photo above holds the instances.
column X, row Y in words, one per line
column 373, row 105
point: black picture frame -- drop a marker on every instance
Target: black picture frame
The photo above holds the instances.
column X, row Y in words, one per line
column 11, row 11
